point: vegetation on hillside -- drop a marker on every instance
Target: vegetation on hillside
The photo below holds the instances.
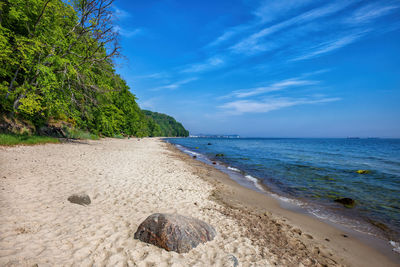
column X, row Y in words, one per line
column 56, row 65
column 168, row 126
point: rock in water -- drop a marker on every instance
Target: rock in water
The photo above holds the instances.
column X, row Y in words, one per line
column 347, row 202
column 81, row 199
column 174, row 232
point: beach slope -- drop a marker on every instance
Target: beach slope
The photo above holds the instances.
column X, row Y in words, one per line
column 130, row 179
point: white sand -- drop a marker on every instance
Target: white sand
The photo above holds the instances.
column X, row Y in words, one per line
column 127, row 181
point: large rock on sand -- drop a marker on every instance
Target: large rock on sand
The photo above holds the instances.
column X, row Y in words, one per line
column 174, row 232
column 81, row 199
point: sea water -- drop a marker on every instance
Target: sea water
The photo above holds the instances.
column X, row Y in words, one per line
column 312, row 173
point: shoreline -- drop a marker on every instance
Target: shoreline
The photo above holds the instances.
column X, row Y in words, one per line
column 373, row 232
column 258, row 201
column 129, row 179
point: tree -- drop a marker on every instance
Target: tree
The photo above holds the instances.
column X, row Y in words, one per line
column 56, row 64
column 168, row 125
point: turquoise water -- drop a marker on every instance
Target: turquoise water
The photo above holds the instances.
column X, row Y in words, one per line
column 315, row 172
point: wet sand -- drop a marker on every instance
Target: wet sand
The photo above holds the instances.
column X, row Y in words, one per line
column 127, row 180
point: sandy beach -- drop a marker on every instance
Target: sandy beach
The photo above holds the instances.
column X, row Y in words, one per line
column 130, row 179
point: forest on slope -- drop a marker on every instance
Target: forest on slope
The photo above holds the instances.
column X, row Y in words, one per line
column 56, row 68
column 168, row 125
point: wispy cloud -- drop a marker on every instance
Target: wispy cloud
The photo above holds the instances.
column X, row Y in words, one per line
column 120, row 14
column 228, row 34
column 269, row 104
column 268, row 10
column 210, row 63
column 260, row 99
column 125, row 32
column 175, row 85
column 275, row 9
column 277, row 31
column 277, row 86
column 251, row 44
column 156, row 75
column 331, row 45
column 371, row 12
column 285, row 32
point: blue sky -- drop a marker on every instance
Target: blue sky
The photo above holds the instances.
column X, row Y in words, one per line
column 273, row 68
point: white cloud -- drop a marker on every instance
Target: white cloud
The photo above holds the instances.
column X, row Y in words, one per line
column 332, row 45
column 210, row 63
column 120, row 14
column 249, row 106
column 270, row 10
column 370, row 12
column 125, row 32
column 281, row 85
column 175, row 85
column 228, row 34
column 156, row 75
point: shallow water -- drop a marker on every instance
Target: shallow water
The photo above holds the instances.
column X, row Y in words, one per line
column 315, row 172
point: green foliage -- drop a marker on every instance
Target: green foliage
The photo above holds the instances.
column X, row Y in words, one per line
column 56, row 65
column 79, row 134
column 13, row 139
column 168, row 126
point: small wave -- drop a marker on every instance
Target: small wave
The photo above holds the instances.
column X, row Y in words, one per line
column 288, row 200
column 233, row 169
column 191, row 152
column 255, row 181
column 187, row 151
column 317, row 213
column 395, row 245
column 323, row 214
